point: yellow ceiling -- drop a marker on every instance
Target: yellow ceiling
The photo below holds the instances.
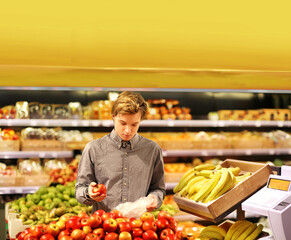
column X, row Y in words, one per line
column 68, row 43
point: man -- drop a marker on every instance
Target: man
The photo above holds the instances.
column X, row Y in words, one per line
column 129, row 165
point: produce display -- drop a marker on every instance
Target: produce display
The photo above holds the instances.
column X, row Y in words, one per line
column 48, row 204
column 207, row 182
column 106, row 225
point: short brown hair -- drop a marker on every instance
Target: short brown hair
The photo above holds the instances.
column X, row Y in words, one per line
column 130, row 103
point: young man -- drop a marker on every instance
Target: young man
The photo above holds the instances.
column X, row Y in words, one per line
column 129, row 165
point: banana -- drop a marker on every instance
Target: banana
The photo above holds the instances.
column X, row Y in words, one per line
column 228, row 185
column 193, row 187
column 203, row 192
column 242, row 227
column 178, row 187
column 207, row 166
column 255, row 233
column 247, row 232
column 198, row 186
column 243, row 177
column 235, row 170
column 214, row 228
column 211, row 235
column 206, row 173
column 218, row 167
column 193, row 181
column 225, row 177
column 232, row 230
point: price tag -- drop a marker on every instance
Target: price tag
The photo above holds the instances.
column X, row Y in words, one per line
column 204, row 153
column 74, row 123
column 33, row 122
column 249, row 152
column 258, row 124
column 219, row 152
column 271, row 151
column 85, row 123
column 171, row 123
column 280, row 124
column 165, row 154
column 41, row 155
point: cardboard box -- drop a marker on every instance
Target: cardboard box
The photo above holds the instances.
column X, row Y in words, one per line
column 218, row 209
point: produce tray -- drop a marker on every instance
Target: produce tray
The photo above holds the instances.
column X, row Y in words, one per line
column 216, row 210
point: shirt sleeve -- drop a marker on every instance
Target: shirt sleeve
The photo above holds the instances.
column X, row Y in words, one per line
column 157, row 186
column 85, row 176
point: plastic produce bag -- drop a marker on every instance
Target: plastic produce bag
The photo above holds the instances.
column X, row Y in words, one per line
column 134, row 209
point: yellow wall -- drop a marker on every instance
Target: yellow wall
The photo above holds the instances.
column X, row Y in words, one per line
column 235, row 35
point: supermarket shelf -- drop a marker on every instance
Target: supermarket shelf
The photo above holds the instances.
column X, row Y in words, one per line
column 18, row 190
column 144, row 123
column 227, row 152
column 36, row 154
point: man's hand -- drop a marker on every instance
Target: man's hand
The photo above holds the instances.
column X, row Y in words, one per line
column 153, row 204
column 95, row 196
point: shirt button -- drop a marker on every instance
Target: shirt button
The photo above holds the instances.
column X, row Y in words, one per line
column 125, row 168
column 124, row 199
column 124, row 184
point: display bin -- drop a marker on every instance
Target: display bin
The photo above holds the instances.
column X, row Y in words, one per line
column 173, row 177
column 33, row 180
column 8, row 181
column 9, row 145
column 218, row 209
column 42, row 145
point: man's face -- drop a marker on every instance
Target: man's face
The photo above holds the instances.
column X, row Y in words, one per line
column 126, row 125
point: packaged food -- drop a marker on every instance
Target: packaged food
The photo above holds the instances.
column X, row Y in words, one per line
column 22, row 110
column 35, row 111
column 95, row 110
column 61, row 111
column 8, row 112
column 75, row 110
column 105, row 109
column 29, row 166
column 47, row 111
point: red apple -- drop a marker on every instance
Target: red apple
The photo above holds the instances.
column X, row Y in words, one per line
column 53, row 229
column 136, row 223
column 166, row 232
column 63, row 233
column 124, row 236
column 73, row 223
column 85, row 221
column 165, row 215
column 100, row 188
column 174, row 224
column 124, row 227
column 99, row 232
column 147, row 216
column 149, row 225
column 47, row 237
column 116, row 214
column 78, row 234
column 61, row 224
column 37, row 231
column 30, row 237
column 150, row 235
column 111, row 236
column 94, row 221
column 99, row 212
column 162, row 224
column 87, row 229
column 170, row 237
column 136, row 232
column 138, row 238
column 107, row 215
column 119, row 220
column 91, row 236
column 110, row 225
column 82, row 215
column 65, row 238
column 178, row 234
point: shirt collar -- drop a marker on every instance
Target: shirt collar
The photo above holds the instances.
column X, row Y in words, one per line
column 118, row 140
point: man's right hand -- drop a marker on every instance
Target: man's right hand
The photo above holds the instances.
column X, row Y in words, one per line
column 95, row 196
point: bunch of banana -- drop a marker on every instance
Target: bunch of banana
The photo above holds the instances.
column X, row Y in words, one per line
column 243, row 230
column 207, row 182
column 212, row 232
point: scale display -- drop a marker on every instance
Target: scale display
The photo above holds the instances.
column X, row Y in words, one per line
column 279, row 184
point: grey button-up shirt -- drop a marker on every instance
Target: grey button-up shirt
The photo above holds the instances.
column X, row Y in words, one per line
column 128, row 173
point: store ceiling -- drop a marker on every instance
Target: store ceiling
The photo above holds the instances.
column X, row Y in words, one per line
column 151, row 44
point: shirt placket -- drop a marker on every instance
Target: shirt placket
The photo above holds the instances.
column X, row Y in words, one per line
column 125, row 177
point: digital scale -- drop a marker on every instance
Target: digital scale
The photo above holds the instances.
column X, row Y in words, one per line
column 274, row 201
